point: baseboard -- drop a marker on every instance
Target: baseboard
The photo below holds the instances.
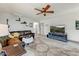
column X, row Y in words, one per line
column 74, row 41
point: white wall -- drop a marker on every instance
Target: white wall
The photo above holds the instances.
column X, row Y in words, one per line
column 15, row 25
column 67, row 19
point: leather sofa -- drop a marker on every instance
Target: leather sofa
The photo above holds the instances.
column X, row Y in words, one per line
column 9, row 45
column 24, row 33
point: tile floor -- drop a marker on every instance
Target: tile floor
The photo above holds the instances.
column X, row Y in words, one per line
column 55, row 48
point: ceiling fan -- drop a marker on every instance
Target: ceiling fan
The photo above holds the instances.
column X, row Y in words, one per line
column 44, row 10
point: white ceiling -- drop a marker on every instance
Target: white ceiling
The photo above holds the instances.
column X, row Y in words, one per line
column 27, row 9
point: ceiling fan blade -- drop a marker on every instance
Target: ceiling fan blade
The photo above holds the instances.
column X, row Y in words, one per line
column 47, row 7
column 38, row 9
column 38, row 13
column 49, row 11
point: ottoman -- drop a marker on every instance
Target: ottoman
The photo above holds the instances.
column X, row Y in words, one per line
column 27, row 40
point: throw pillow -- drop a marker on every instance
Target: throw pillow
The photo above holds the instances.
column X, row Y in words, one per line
column 13, row 41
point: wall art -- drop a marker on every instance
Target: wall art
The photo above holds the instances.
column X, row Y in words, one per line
column 77, row 24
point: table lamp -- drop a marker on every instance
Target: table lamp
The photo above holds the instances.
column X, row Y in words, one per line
column 0, row 47
column 3, row 31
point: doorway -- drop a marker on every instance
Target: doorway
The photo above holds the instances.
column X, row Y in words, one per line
column 42, row 28
column 36, row 28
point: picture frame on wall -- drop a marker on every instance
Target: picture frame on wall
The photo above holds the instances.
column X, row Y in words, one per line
column 30, row 24
column 7, row 20
column 77, row 24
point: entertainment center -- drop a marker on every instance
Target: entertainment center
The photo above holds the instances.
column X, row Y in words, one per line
column 57, row 33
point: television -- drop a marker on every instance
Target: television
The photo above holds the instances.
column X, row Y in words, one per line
column 57, row 29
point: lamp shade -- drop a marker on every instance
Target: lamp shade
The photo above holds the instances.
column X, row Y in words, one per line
column 4, row 30
column 0, row 47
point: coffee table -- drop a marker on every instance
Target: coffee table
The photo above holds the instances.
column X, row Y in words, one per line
column 27, row 40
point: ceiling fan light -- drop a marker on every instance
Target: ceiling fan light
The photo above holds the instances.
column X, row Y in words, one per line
column 44, row 10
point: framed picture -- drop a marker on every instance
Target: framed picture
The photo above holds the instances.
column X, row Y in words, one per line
column 30, row 24
column 57, row 29
column 77, row 24
column 7, row 20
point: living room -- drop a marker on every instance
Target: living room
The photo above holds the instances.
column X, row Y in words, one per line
column 39, row 29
